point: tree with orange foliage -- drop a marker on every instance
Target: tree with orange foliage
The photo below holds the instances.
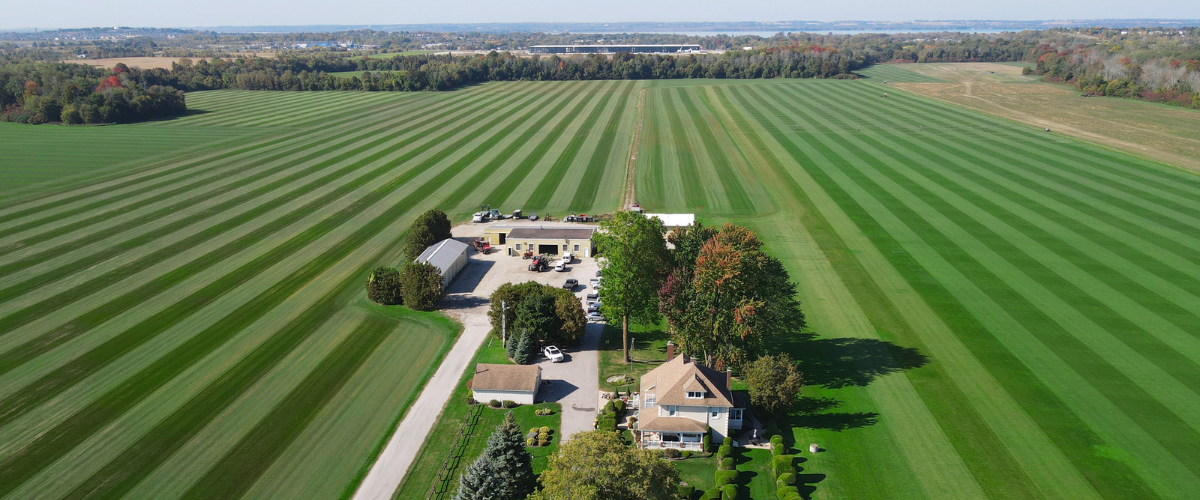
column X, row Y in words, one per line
column 733, row 298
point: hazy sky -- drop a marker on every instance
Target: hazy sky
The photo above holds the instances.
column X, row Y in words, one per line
column 86, row 13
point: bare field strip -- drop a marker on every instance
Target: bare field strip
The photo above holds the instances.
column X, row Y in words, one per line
column 996, row 312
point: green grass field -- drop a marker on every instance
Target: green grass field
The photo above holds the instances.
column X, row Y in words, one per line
column 189, row 325
column 996, row 312
column 1002, row 313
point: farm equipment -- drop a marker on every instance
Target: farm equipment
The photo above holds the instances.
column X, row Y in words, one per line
column 528, row 255
column 517, row 214
column 495, row 214
column 539, row 264
column 483, row 246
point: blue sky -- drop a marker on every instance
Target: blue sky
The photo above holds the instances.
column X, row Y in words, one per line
column 83, row 13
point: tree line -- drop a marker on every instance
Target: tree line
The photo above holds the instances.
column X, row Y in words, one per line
column 445, row 72
column 1101, row 71
column 33, row 92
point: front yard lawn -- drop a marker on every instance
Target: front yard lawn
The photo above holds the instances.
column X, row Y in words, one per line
column 433, row 453
column 650, row 350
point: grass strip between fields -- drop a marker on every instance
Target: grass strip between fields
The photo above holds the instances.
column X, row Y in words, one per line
column 589, row 185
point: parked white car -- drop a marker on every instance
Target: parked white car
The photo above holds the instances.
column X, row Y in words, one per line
column 595, row 282
column 560, row 266
column 595, row 316
column 553, row 354
column 568, row 257
column 593, row 306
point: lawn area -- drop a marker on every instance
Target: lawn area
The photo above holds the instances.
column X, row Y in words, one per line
column 437, row 447
column 650, row 350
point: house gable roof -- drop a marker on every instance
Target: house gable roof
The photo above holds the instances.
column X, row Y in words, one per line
column 521, row 378
column 671, row 381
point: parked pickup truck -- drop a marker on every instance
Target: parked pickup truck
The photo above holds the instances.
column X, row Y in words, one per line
column 570, row 284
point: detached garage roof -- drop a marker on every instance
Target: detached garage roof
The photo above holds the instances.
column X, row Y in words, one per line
column 443, row 254
column 552, row 233
column 522, row 378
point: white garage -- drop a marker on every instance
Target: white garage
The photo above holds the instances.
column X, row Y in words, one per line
column 448, row 255
column 506, row 382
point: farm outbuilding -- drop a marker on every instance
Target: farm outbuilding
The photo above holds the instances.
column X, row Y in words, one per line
column 506, row 382
column 553, row 240
column 674, row 221
column 448, row 255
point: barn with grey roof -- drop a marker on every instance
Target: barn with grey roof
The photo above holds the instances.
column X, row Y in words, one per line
column 448, row 255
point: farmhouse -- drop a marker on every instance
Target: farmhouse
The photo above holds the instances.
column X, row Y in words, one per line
column 681, row 399
column 506, row 382
column 613, row 49
column 448, row 255
column 543, row 239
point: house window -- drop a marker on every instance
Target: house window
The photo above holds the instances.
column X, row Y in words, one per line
column 576, row 248
column 564, row 247
column 650, row 402
column 715, row 413
column 695, row 395
column 735, row 414
column 670, row 411
column 518, row 247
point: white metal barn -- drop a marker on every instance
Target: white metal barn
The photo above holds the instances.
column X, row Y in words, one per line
column 448, row 255
column 506, row 382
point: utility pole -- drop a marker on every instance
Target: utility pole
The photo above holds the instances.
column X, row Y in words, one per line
column 504, row 324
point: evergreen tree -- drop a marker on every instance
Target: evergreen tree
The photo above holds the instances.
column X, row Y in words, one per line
column 523, row 354
column 505, row 469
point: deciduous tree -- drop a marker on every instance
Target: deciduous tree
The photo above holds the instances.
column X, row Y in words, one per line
column 598, row 465
column 634, row 260
column 421, row 286
column 774, row 383
column 383, row 286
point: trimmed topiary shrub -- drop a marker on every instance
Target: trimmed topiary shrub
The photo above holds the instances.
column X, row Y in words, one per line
column 619, row 405
column 707, row 439
column 781, row 464
column 724, row 451
column 686, row 453
column 786, row 491
column 713, row 494
column 786, row 479
column 530, row 442
column 609, row 408
column 543, row 442
column 726, row 464
column 686, row 491
column 728, row 441
column 776, row 440
column 495, row 403
column 671, row 453
column 724, row 477
column 778, row 450
column 729, row 492
column 545, row 429
column 508, row 403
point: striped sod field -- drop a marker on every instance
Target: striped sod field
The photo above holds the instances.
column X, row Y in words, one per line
column 996, row 312
column 190, row 323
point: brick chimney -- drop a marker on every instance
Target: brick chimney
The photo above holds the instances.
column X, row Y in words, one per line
column 729, row 379
column 670, row 350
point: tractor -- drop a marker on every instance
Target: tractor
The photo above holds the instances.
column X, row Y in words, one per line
column 539, row 264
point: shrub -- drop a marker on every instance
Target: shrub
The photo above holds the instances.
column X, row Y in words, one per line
column 707, row 439
column 607, row 423
column 508, row 403
column 792, row 496
column 786, row 479
column 713, row 494
column 786, row 492
column 542, row 412
column 471, row 401
column 724, row 451
column 544, row 429
column 781, row 464
column 609, row 408
column 729, row 492
column 671, row 453
column 778, row 449
column 543, row 436
column 383, row 286
column 619, row 405
column 772, row 429
column 686, row 453
column 728, row 441
column 421, row 286
column 724, row 477
column 686, row 491
column 494, row 403
column 726, row 463
column 543, row 442
column 530, row 442
column 776, row 439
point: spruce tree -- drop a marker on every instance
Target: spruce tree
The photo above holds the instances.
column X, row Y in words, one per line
column 505, row 469
column 523, row 354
